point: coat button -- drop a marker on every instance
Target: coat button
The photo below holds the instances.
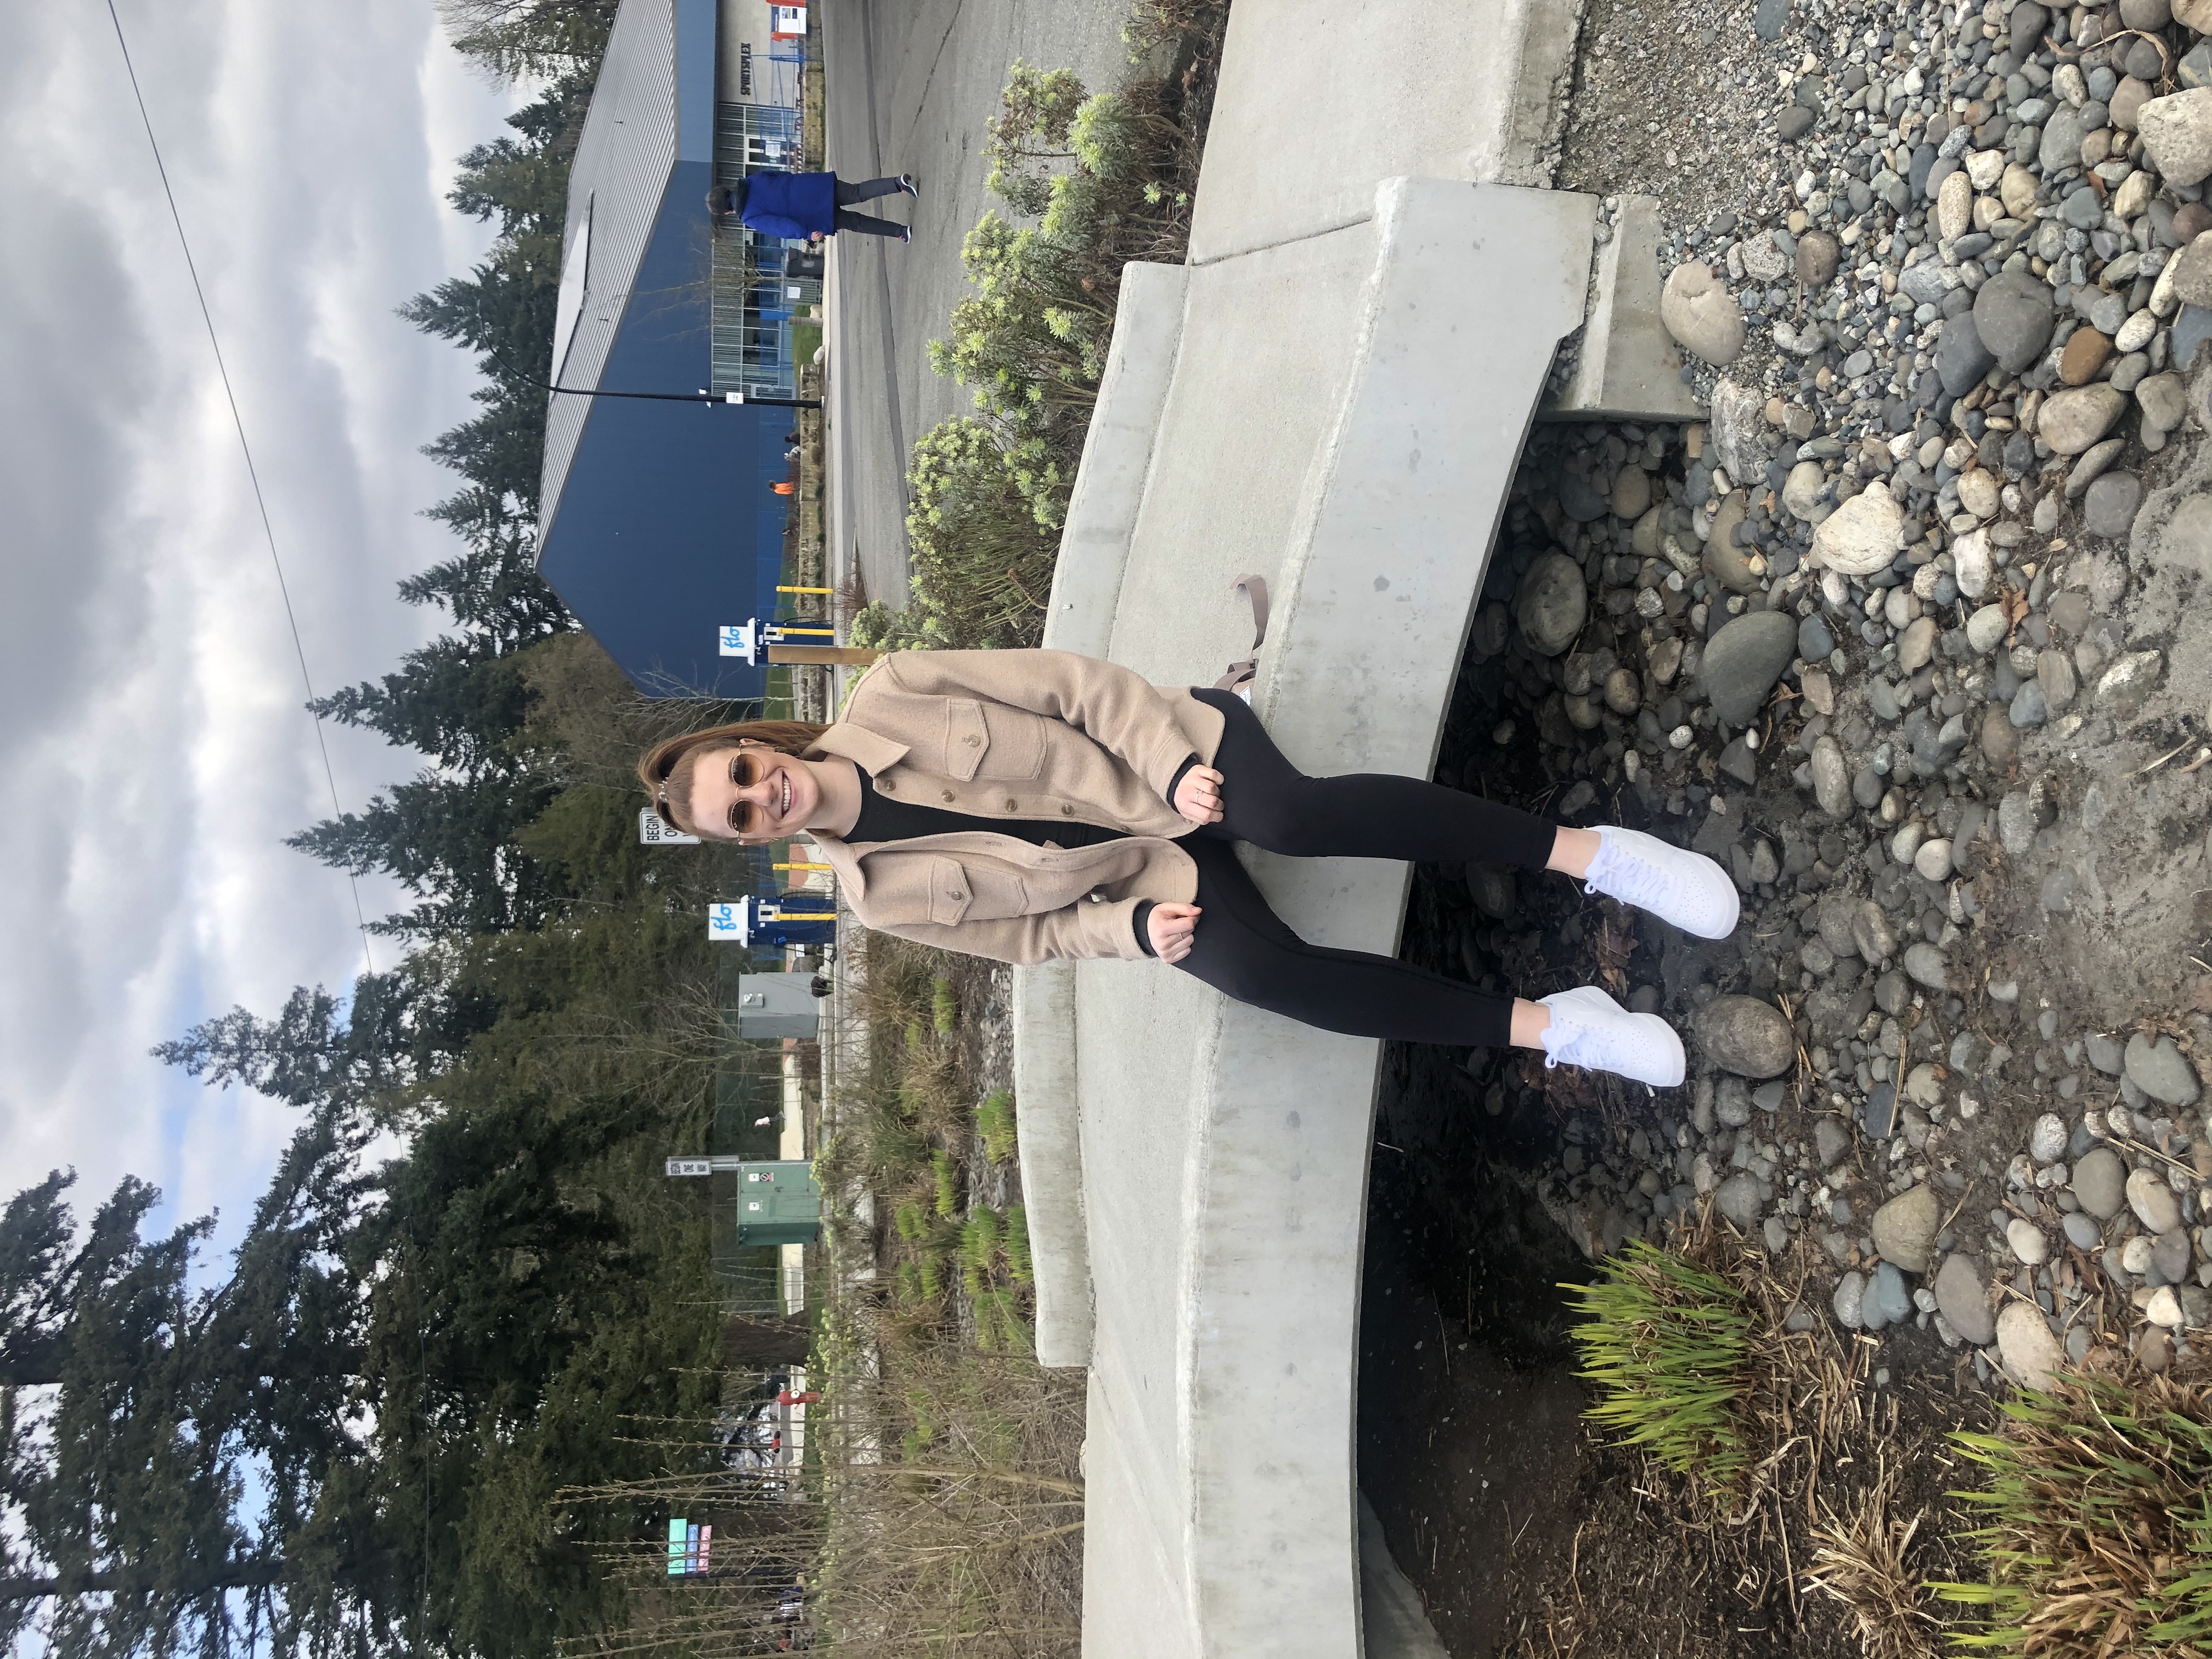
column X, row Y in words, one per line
column 1010, row 806
column 883, row 784
column 948, row 794
column 972, row 742
column 1067, row 811
column 957, row 894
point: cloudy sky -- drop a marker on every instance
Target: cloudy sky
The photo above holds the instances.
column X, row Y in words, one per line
column 155, row 752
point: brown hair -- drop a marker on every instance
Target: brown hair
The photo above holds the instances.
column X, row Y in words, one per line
column 666, row 769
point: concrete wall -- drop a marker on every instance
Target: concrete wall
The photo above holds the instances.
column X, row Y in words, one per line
column 1330, row 95
column 1344, row 414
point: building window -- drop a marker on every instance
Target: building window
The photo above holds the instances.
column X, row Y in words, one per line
column 756, row 295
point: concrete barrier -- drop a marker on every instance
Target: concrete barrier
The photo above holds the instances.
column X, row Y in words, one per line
column 1341, row 412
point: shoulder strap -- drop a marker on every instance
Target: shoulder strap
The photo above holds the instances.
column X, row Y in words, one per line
column 1240, row 674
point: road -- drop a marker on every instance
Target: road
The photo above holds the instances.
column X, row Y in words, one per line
column 910, row 85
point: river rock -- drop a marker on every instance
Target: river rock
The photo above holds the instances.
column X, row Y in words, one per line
column 2027, row 1242
column 1924, row 965
column 1738, row 429
column 2012, row 313
column 2177, row 131
column 1850, row 1301
column 2025, row 1345
column 1860, row 537
column 1832, row 778
column 1631, row 492
column 2158, row 1069
column 1551, row 604
column 1905, row 1229
column 1744, row 660
column 1818, row 255
column 1962, row 359
column 2153, row 1201
column 2074, row 419
column 1737, row 1198
column 1745, row 1036
column 2099, row 1183
column 1701, row 313
column 1971, row 561
column 1963, row 1299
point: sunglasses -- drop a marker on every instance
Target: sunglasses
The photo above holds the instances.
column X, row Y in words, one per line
column 747, row 768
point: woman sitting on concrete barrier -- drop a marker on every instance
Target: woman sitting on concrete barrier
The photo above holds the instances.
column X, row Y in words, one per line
column 1028, row 805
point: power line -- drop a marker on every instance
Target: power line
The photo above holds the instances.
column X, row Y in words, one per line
column 253, row 473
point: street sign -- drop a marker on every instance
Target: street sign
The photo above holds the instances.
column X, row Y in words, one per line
column 690, row 1166
column 730, row 924
column 654, row 830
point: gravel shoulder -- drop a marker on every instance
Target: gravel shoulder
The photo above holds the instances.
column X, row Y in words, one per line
column 1911, row 635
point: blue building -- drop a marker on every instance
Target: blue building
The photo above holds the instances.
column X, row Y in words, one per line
column 658, row 524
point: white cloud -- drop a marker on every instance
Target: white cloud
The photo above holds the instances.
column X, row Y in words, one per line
column 156, row 752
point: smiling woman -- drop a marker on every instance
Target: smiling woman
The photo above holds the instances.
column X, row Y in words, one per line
column 1032, row 806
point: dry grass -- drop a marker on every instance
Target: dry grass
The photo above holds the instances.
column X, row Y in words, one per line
column 1865, row 1561
column 2097, row 1520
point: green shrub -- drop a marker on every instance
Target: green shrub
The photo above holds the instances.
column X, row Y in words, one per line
column 947, row 1181
column 910, row 1224
column 1018, row 1245
column 1665, row 1343
column 906, row 1283
column 2097, row 1520
column 915, row 1036
column 944, row 1007
column 932, row 1277
column 978, row 1240
column 995, row 1119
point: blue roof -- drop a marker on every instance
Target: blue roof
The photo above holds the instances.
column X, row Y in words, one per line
column 657, row 526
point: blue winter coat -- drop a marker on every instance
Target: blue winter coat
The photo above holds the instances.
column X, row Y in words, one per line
column 795, row 205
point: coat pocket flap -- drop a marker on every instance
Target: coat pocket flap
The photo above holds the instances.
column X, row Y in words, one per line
column 951, row 892
column 966, row 738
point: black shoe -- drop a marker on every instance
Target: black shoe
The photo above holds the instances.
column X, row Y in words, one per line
column 907, row 184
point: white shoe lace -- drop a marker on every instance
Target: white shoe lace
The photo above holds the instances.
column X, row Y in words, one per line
column 1617, row 872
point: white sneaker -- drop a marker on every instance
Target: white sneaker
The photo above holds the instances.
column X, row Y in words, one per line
column 1588, row 1029
column 1686, row 888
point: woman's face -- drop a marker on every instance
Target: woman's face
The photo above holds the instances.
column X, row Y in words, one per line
column 776, row 804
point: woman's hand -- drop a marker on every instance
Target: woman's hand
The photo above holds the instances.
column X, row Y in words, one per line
column 1169, row 926
column 1197, row 797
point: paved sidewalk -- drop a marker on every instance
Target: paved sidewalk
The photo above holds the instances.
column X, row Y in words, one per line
column 911, row 84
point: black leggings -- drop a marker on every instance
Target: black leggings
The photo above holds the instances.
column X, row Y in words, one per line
column 866, row 224
column 1244, row 950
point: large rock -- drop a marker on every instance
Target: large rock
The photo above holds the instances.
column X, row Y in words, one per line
column 1737, row 1198
column 1962, row 359
column 1738, row 431
column 1743, row 661
column 1701, row 313
column 1746, row 1036
column 2193, row 272
column 2100, row 1183
column 2177, row 131
column 1723, row 561
column 1963, row 1299
column 1860, row 536
column 2013, row 317
column 1905, row 1229
column 1818, row 256
column 2159, row 1070
column 1971, row 561
column 2074, row 419
column 1551, row 604
column 2031, row 1354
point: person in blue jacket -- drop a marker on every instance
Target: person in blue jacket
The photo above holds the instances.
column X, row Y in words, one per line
column 809, row 206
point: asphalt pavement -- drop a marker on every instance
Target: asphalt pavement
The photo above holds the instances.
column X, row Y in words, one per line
column 910, row 85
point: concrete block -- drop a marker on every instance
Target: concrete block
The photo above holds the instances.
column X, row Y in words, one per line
column 1117, row 455
column 1345, row 415
column 1050, row 1147
column 1393, row 1622
column 1629, row 368
column 1319, row 100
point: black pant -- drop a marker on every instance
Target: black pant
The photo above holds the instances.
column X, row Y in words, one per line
column 1244, row 951
column 866, row 224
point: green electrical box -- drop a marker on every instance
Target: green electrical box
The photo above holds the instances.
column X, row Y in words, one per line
column 778, row 1204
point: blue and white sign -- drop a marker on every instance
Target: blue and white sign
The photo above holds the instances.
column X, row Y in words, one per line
column 730, row 924
column 739, row 639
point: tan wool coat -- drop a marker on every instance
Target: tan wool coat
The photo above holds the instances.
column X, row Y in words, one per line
column 1018, row 734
